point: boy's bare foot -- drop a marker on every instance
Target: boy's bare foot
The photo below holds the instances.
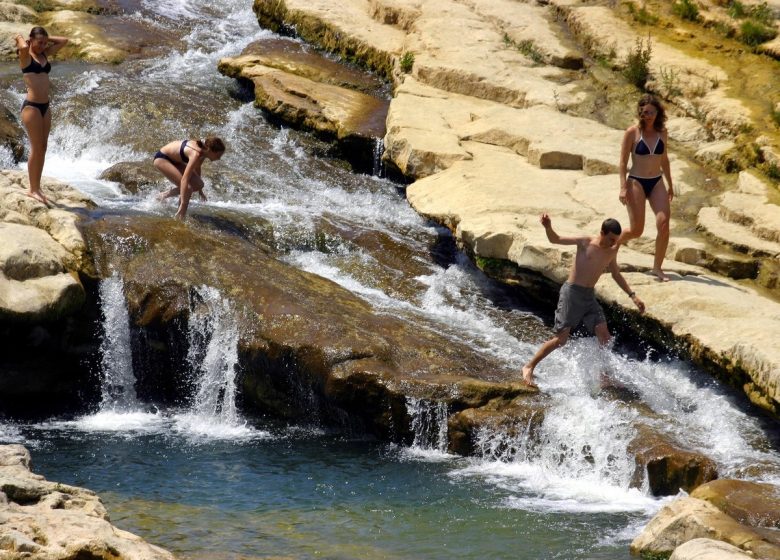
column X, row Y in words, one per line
column 528, row 377
column 38, row 196
column 660, row 275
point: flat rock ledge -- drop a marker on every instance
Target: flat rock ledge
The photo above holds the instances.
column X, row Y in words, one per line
column 483, row 120
column 311, row 92
column 723, row 519
column 52, row 521
column 42, row 251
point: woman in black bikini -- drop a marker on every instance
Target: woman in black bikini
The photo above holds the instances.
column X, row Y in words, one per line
column 180, row 162
column 646, row 144
column 34, row 56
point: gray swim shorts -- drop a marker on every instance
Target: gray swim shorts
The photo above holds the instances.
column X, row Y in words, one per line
column 578, row 304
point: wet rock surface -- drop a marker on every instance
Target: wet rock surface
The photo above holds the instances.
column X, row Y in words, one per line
column 301, row 334
column 308, row 91
column 480, row 108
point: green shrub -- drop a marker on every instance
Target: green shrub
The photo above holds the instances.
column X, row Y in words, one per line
column 637, row 69
column 641, row 15
column 753, row 33
column 686, row 9
column 737, row 10
column 776, row 116
column 762, row 14
column 407, row 62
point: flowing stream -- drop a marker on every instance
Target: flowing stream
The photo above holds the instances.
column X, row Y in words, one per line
column 205, row 482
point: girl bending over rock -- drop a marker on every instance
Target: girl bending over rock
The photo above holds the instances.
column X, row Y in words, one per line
column 180, row 162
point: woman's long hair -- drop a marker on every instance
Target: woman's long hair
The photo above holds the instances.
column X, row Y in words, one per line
column 660, row 117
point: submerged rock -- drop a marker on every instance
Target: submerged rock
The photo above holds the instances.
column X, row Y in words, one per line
column 43, row 519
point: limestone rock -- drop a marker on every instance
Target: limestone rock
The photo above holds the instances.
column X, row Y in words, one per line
column 686, row 519
column 308, row 91
column 708, row 549
column 751, row 503
column 42, row 251
column 42, row 519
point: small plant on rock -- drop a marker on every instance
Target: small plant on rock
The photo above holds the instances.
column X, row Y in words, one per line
column 670, row 82
column 641, row 15
column 686, row 9
column 528, row 48
column 407, row 62
column 637, row 69
column 737, row 10
column 754, row 33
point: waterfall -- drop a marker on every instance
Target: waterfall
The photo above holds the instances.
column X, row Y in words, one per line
column 212, row 335
column 379, row 149
column 428, row 423
column 118, row 388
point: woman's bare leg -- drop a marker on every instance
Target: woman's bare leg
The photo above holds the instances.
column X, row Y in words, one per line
column 635, row 205
column 171, row 172
column 659, row 202
column 37, row 127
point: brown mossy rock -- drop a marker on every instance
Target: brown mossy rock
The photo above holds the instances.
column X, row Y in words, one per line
column 751, row 503
column 302, row 60
column 513, row 417
column 11, row 134
column 669, row 468
column 132, row 175
column 301, row 334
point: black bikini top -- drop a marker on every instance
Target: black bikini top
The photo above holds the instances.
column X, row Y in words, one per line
column 36, row 68
column 642, row 149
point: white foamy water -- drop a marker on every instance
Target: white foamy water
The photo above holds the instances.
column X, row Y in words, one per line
column 118, row 386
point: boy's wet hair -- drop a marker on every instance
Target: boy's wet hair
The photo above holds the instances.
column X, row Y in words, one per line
column 611, row 225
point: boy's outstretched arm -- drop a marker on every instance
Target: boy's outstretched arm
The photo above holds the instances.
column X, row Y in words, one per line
column 614, row 269
column 554, row 237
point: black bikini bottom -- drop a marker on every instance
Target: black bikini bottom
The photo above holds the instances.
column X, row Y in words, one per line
column 42, row 107
column 162, row 155
column 648, row 183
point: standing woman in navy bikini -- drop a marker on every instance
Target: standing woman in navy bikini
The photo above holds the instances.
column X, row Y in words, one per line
column 34, row 56
column 180, row 162
column 646, row 143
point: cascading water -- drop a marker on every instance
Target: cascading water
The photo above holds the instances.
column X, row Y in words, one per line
column 379, row 149
column 118, row 385
column 212, row 336
column 428, row 424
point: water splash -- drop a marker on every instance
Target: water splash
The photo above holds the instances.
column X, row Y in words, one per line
column 429, row 427
column 118, row 387
column 379, row 149
column 212, row 335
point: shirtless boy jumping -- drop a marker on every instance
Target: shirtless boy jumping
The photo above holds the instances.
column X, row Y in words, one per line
column 577, row 300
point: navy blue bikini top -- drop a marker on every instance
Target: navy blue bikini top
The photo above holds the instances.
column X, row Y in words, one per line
column 36, row 68
column 642, row 149
column 184, row 158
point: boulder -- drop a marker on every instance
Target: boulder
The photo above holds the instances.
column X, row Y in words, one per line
column 42, row 253
column 751, row 503
column 708, row 549
column 133, row 175
column 42, row 519
column 301, row 333
column 668, row 467
column 686, row 519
